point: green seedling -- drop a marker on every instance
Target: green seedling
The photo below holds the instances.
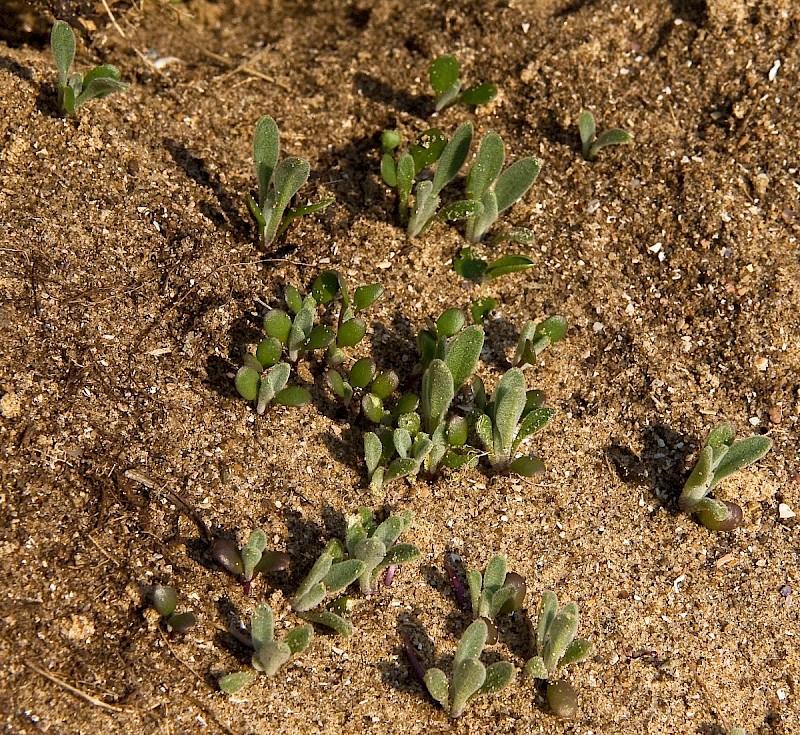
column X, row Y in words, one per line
column 374, row 544
column 557, row 647
column 165, row 601
column 277, row 184
column 470, row 678
column 419, row 210
column 76, row 89
column 426, row 436
column 474, row 268
column 480, row 309
column 720, row 456
column 512, row 415
column 445, row 77
column 269, row 654
column 250, row 560
column 363, row 381
column 291, row 333
column 495, row 592
column 330, row 574
column 495, row 189
column 536, row 338
column 593, row 144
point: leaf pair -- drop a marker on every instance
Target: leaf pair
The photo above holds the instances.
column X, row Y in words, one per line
column 474, row 268
column 592, row 144
column 720, row 457
column 277, row 184
column 76, row 89
column 470, row 677
column 269, row 654
column 512, row 415
column 165, row 602
column 363, row 379
column 445, row 78
column 536, row 338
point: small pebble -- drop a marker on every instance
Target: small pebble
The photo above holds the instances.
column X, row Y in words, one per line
column 784, row 511
column 776, row 414
column 785, row 591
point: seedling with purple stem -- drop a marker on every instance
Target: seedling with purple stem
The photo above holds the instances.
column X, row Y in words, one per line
column 375, row 545
column 165, row 602
column 269, row 654
column 250, row 560
column 555, row 648
column 720, row 456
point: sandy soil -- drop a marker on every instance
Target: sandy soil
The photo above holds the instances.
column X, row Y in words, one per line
column 130, row 283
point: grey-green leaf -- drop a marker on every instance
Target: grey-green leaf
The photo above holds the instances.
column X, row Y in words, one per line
column 741, row 454
column 262, row 626
column 438, row 687
column 453, row 157
column 62, row 44
column 536, row 669
column 515, row 181
column 498, row 676
column 463, row 352
column 298, row 638
column 487, row 166
column 343, row 574
column 266, row 146
column 232, row 683
column 471, row 643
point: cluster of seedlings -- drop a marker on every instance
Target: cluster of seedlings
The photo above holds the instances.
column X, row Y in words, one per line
column 436, row 417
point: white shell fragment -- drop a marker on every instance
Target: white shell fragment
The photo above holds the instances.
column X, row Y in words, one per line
column 784, row 511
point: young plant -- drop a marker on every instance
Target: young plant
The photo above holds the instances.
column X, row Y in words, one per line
column 165, row 601
column 512, row 415
column 330, row 574
column 556, row 647
column 250, row 560
column 445, row 78
column 76, row 89
column 277, row 184
column 536, row 338
column 364, row 382
column 720, row 456
column 495, row 189
column 592, row 144
column 374, row 544
column 269, row 654
column 495, row 592
column 292, row 332
column 470, row 677
column 474, row 268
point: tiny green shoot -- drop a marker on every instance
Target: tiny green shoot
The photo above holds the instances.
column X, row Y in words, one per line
column 250, row 560
column 591, row 143
column 445, row 78
column 74, row 90
column 494, row 592
column 165, row 602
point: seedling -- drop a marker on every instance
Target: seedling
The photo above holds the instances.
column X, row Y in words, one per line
column 374, row 544
column 470, row 677
column 250, row 560
column 445, row 77
column 293, row 332
column 474, row 268
column 536, row 338
column 330, row 574
column 419, row 211
column 557, row 647
column 277, row 184
column 76, row 89
column 512, row 415
column 495, row 189
column 364, row 381
column 165, row 601
column 720, row 456
column 495, row 592
column 269, row 654
column 426, row 437
column 592, row 144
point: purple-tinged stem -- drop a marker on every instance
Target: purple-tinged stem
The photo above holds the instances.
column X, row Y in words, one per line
column 389, row 577
column 411, row 655
column 456, row 583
